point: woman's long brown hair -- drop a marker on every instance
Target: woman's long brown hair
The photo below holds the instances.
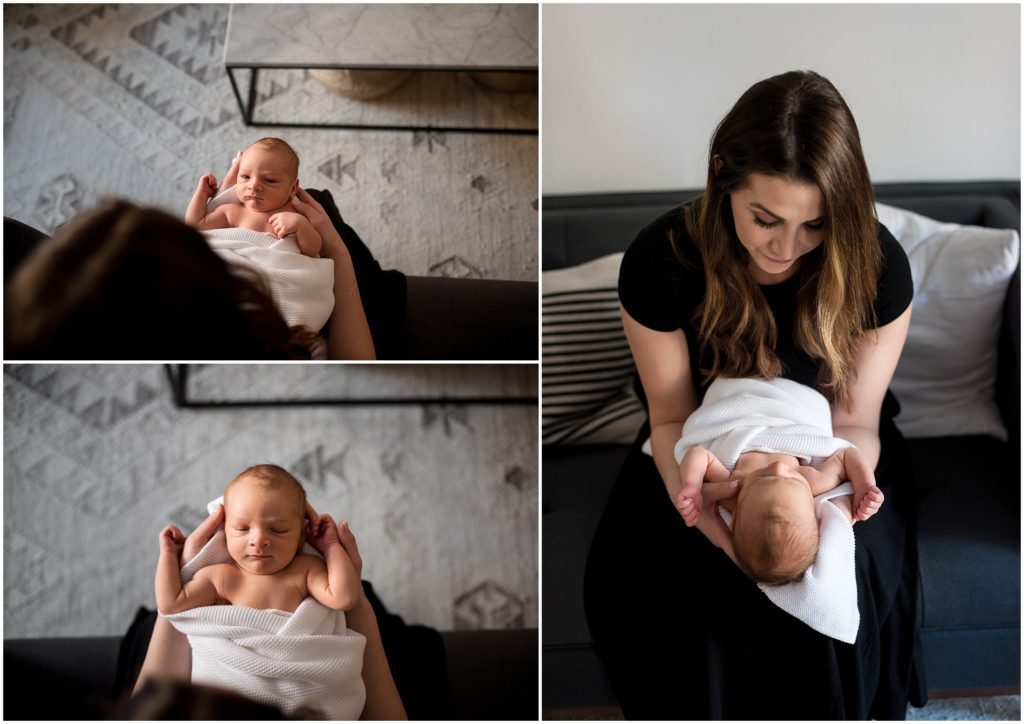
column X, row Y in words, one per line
column 795, row 126
column 124, row 282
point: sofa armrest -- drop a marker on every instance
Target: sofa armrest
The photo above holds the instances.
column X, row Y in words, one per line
column 448, row 319
column 1008, row 374
column 492, row 674
column 60, row 678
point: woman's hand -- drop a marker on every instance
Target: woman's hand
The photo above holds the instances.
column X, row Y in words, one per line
column 712, row 526
column 202, row 534
column 348, row 332
column 231, row 177
column 311, row 209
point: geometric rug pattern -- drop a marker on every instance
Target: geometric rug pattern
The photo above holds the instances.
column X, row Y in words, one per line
column 97, row 459
column 133, row 101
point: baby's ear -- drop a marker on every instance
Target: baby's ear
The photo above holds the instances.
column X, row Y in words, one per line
column 295, row 186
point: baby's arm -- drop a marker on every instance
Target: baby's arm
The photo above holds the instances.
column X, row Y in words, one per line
column 219, row 218
column 867, row 497
column 848, row 464
column 171, row 595
column 697, row 466
column 290, row 222
column 309, row 239
column 196, row 210
column 333, row 582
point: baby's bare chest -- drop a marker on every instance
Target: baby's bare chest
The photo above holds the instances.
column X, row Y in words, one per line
column 243, row 218
column 283, row 591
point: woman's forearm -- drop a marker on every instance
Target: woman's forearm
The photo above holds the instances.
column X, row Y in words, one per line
column 383, row 702
column 169, row 655
column 663, row 442
column 348, row 331
column 865, row 439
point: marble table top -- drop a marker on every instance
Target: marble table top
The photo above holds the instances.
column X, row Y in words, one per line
column 440, row 37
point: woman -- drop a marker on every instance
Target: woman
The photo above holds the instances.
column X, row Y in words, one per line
column 780, row 269
column 124, row 282
column 170, row 657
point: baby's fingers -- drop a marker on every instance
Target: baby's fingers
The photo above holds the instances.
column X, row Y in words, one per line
column 689, row 511
column 870, row 503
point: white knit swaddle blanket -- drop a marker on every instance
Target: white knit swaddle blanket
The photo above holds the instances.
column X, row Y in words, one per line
column 304, row 660
column 783, row 416
column 302, row 287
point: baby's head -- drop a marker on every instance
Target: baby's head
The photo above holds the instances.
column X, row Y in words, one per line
column 264, row 518
column 268, row 175
column 775, row 529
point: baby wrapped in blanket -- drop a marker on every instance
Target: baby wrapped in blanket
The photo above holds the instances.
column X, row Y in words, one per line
column 263, row 618
column 252, row 224
column 792, row 517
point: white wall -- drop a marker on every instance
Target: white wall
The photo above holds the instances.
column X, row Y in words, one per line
column 632, row 93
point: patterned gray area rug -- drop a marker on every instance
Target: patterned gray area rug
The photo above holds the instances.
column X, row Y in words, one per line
column 98, row 458
column 134, row 101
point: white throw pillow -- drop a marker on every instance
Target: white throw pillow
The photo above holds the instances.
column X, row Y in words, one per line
column 945, row 380
column 588, row 369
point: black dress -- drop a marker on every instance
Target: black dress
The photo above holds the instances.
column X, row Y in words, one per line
column 682, row 633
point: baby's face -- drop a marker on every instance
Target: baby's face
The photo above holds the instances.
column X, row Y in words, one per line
column 265, row 181
column 264, row 528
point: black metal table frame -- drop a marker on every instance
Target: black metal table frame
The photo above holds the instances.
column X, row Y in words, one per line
column 248, row 109
column 177, row 376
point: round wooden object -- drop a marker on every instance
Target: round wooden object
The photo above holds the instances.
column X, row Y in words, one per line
column 360, row 85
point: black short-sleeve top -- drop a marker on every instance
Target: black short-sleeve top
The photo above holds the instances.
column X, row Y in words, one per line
column 660, row 293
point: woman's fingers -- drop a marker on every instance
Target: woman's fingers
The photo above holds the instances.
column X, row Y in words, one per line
column 203, row 532
column 348, row 542
column 303, row 197
column 712, row 492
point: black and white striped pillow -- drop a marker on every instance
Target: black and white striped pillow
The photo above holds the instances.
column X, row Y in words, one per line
column 588, row 369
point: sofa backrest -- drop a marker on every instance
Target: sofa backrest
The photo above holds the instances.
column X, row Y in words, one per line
column 578, row 228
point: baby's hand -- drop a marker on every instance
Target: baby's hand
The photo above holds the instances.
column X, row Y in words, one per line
column 286, row 222
column 172, row 540
column 323, row 533
column 207, row 185
column 866, row 502
column 690, row 502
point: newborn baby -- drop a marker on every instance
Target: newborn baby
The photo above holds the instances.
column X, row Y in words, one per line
column 775, row 525
column 267, row 178
column 253, row 226
column 265, row 524
column 775, row 438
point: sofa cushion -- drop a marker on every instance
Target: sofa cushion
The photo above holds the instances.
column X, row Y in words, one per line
column 946, row 376
column 588, row 367
column 968, row 532
column 577, row 483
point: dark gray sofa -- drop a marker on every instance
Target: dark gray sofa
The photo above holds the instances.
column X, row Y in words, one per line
column 969, row 544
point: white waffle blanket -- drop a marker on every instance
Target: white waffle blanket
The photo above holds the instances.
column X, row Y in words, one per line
column 307, row 660
column 776, row 416
column 302, row 287
column 739, row 415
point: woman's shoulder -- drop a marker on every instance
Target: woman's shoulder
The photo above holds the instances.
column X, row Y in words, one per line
column 654, row 242
column 652, row 277
column 895, row 283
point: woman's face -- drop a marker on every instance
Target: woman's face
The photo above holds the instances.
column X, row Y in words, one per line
column 777, row 221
